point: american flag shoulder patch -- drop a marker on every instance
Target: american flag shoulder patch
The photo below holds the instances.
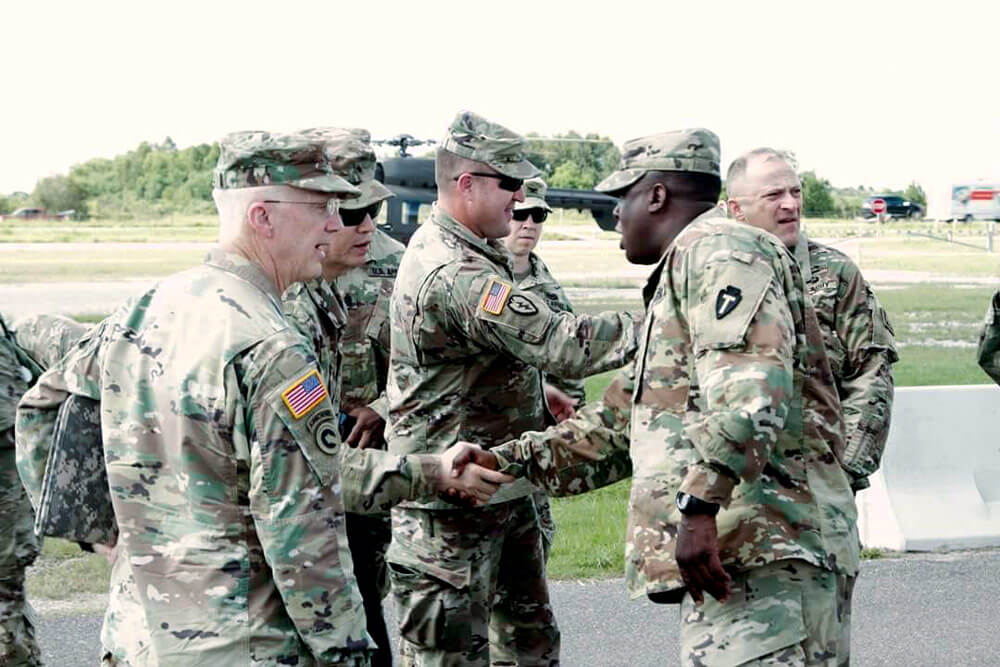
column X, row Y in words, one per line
column 305, row 394
column 495, row 297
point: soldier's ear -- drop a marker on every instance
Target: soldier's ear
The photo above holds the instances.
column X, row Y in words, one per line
column 735, row 210
column 658, row 197
column 464, row 183
column 258, row 219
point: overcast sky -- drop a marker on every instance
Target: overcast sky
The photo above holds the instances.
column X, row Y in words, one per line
column 876, row 93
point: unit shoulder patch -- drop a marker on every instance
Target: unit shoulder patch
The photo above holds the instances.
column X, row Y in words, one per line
column 522, row 306
column 726, row 301
column 305, row 394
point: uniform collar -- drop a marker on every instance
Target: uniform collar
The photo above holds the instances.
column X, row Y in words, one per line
column 801, row 253
column 494, row 249
column 379, row 249
column 654, row 278
column 536, row 271
column 328, row 300
column 241, row 267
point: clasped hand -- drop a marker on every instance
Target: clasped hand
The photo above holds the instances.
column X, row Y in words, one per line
column 469, row 475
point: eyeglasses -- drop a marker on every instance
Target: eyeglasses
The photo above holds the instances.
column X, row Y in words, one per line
column 538, row 215
column 507, row 183
column 352, row 217
column 331, row 205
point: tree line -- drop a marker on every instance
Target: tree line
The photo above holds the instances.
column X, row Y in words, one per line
column 156, row 180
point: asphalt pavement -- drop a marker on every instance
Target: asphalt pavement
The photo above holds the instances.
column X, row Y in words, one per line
column 911, row 611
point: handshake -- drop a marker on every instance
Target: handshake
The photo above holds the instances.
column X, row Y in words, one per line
column 468, row 475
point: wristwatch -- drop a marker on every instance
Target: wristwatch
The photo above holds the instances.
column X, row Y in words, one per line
column 691, row 505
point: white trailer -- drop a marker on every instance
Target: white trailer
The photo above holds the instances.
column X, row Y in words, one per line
column 975, row 201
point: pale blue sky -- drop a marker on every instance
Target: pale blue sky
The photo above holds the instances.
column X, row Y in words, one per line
column 879, row 93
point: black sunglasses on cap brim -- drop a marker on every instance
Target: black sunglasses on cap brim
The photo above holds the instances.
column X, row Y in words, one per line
column 352, row 217
column 538, row 215
column 507, row 183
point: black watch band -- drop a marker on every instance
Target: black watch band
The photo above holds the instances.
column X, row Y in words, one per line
column 691, row 505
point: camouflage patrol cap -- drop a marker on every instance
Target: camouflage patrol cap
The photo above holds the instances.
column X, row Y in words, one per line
column 353, row 158
column 694, row 150
column 534, row 195
column 254, row 158
column 473, row 137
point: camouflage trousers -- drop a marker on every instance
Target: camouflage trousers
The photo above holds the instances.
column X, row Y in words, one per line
column 502, row 648
column 453, row 571
column 785, row 613
column 18, row 549
column 368, row 537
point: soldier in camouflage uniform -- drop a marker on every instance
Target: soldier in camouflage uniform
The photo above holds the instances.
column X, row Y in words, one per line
column 27, row 347
column 734, row 425
column 988, row 353
column 764, row 191
column 354, row 292
column 467, row 346
column 530, row 271
column 224, row 463
column 532, row 275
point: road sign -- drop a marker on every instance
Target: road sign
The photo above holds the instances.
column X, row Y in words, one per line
column 878, row 206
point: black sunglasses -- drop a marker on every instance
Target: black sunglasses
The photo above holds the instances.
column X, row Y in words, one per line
column 505, row 182
column 352, row 217
column 537, row 214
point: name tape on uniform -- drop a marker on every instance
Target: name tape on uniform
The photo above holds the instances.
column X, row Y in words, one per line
column 307, row 392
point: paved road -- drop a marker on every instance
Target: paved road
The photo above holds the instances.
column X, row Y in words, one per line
column 913, row 611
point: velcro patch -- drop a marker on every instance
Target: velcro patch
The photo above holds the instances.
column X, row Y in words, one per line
column 307, row 392
column 727, row 300
column 522, row 306
column 495, row 296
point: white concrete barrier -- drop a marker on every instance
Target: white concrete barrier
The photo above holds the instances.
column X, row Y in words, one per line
column 939, row 485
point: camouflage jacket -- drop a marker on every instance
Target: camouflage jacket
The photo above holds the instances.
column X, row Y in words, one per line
column 317, row 312
column 467, row 346
column 365, row 345
column 18, row 371
column 541, row 282
column 226, row 475
column 732, row 400
column 27, row 347
column 859, row 344
column 988, row 353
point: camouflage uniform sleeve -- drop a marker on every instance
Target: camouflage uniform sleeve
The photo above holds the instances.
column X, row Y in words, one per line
column 583, row 453
column 742, row 338
column 501, row 317
column 302, row 480
column 571, row 387
column 371, row 480
column 47, row 337
column 866, row 388
column 381, row 406
column 76, row 372
column 989, row 340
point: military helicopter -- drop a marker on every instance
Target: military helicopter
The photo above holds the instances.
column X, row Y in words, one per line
column 411, row 179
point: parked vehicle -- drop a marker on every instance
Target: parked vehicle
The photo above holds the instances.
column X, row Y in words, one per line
column 29, row 213
column 895, row 207
column 978, row 201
